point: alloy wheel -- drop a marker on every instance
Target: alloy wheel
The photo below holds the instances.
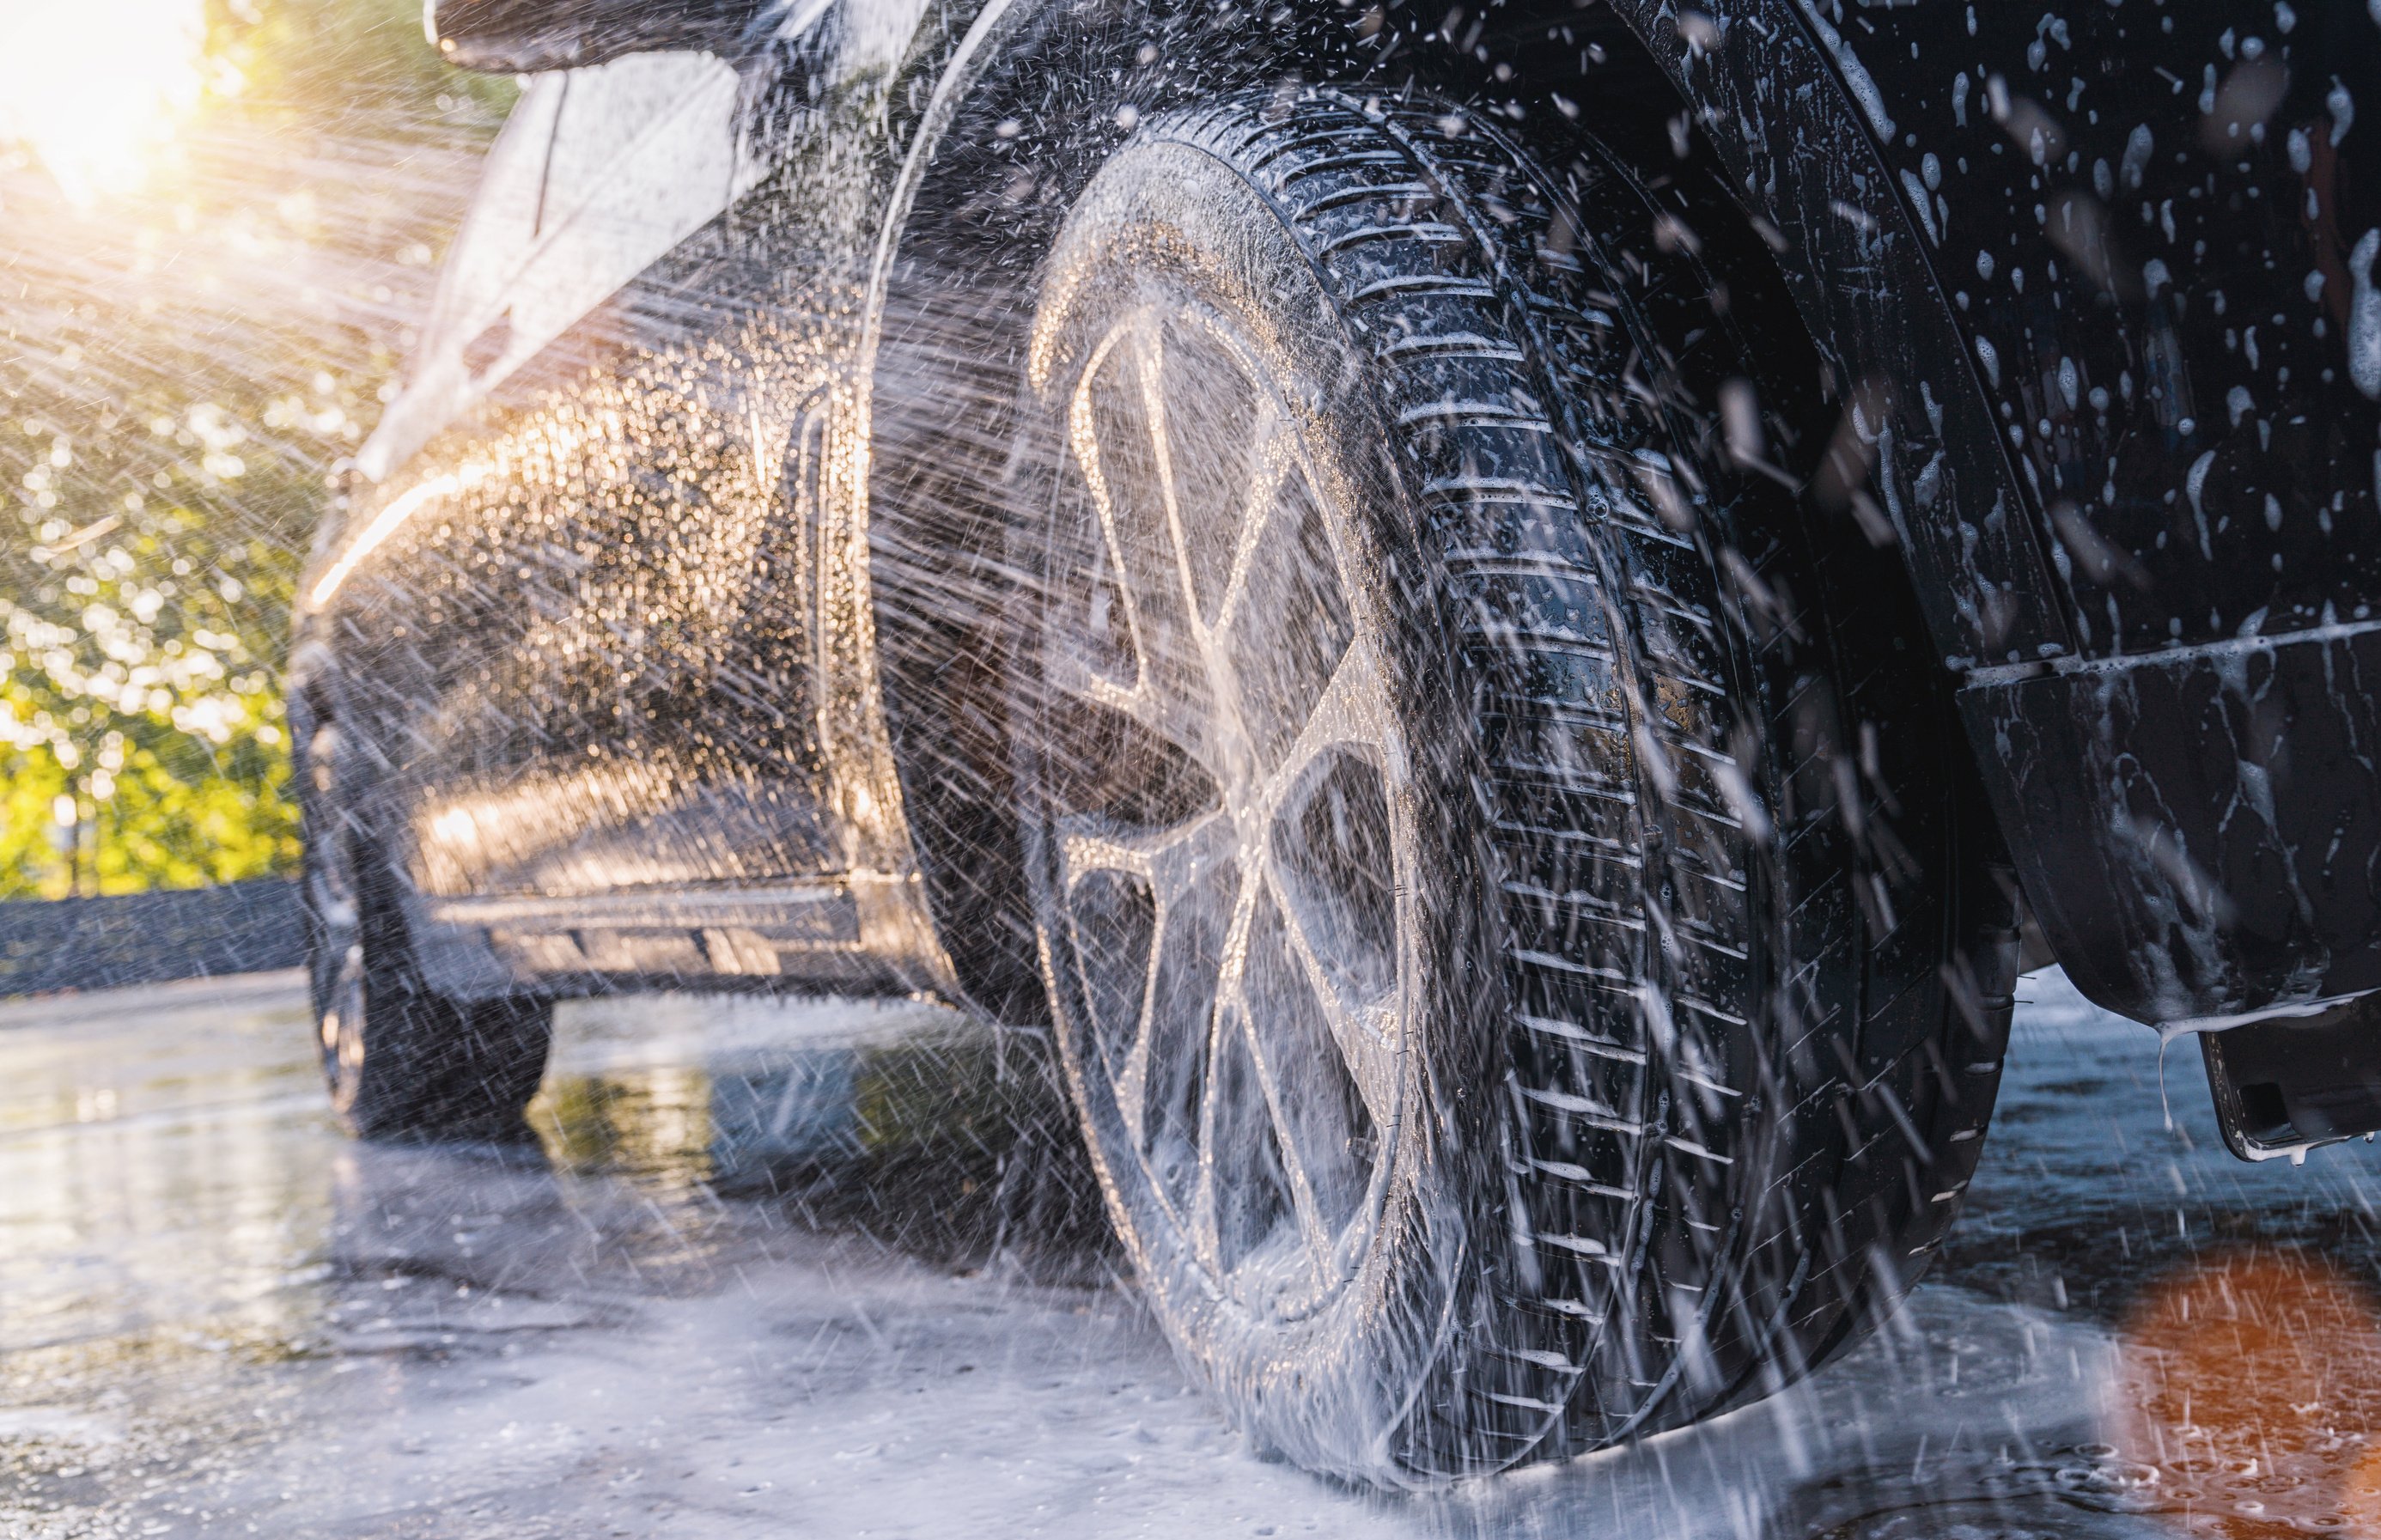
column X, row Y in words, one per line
column 1234, row 835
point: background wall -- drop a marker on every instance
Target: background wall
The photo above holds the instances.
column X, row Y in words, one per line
column 244, row 927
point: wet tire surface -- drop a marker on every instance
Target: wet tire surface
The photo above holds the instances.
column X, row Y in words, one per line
column 1715, row 1040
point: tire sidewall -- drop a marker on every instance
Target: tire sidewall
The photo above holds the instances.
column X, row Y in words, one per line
column 331, row 894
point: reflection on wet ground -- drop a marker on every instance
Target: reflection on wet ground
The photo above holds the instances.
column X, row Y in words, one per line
column 824, row 1268
column 911, row 1125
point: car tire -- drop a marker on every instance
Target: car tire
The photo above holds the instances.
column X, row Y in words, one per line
column 1516, row 913
column 404, row 1063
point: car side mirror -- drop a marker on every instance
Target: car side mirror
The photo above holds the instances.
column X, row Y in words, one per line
column 525, row 36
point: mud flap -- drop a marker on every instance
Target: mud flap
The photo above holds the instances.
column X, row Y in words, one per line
column 2283, row 1087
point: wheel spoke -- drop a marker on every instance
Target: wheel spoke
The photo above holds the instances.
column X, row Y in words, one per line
column 1169, row 860
column 1271, row 467
column 1365, row 1031
column 1323, row 1125
column 1183, row 869
column 1216, row 467
column 1115, row 431
column 1214, row 1104
column 1152, row 361
column 1352, row 710
column 1314, row 1228
column 1291, row 627
column 1084, row 439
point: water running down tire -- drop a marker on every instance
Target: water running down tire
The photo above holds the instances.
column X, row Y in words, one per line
column 1520, row 937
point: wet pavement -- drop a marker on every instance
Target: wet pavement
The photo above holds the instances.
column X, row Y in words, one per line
column 784, row 1270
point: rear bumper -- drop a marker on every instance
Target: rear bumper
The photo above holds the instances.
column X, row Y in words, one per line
column 2199, row 832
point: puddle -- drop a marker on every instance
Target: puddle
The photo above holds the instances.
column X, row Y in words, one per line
column 941, row 1136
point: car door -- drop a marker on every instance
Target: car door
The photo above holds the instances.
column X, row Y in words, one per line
column 601, row 487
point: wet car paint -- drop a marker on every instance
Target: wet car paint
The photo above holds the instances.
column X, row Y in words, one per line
column 222, row 1315
column 612, row 669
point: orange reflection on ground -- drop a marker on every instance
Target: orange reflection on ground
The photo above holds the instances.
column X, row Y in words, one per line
column 2252, row 1382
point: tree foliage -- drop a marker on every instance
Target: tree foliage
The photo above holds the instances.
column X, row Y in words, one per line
column 184, row 365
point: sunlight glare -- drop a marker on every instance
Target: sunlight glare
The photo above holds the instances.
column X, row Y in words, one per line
column 94, row 87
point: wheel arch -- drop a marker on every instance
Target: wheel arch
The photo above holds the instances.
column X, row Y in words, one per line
column 947, row 308
column 1794, row 116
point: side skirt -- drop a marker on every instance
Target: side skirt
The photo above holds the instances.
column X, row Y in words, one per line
column 863, row 933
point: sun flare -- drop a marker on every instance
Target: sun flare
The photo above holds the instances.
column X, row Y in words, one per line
column 95, row 87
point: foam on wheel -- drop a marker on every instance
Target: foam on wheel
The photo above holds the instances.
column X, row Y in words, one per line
column 1526, row 967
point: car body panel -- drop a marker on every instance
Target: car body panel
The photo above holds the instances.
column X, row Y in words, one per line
column 2223, row 805
column 2154, row 226
column 1798, row 121
column 593, row 625
column 2057, row 400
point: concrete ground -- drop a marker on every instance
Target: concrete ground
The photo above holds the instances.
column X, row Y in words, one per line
column 217, row 1316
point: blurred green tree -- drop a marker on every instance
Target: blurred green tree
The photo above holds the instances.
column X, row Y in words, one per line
column 185, row 361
